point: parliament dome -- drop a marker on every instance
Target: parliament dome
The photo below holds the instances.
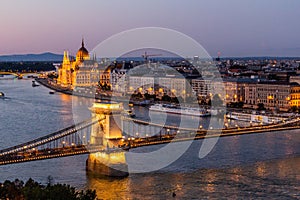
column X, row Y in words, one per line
column 82, row 53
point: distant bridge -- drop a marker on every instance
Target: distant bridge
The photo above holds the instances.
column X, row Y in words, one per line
column 17, row 74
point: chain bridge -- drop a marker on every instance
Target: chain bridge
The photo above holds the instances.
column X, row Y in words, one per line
column 106, row 143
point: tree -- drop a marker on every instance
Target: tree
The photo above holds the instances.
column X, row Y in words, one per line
column 166, row 98
column 294, row 108
column 10, row 190
column 139, row 95
column 201, row 100
column 87, row 195
column 261, row 106
column 60, row 192
column 147, row 96
column 174, row 100
column 35, row 191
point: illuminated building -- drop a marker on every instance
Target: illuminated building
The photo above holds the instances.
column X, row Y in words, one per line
column 295, row 95
column 67, row 71
column 83, row 72
column 274, row 96
column 91, row 74
column 159, row 84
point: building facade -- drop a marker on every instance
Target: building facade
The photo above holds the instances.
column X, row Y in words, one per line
column 83, row 71
column 141, row 84
column 274, row 96
column 69, row 68
column 91, row 74
column 295, row 96
column 250, row 95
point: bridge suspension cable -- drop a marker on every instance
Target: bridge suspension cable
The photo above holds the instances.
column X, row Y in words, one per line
column 51, row 137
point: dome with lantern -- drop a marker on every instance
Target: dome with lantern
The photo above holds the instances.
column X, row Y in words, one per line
column 82, row 53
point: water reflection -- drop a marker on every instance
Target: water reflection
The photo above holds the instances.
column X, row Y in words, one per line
column 81, row 108
column 109, row 188
column 275, row 179
column 65, row 98
column 210, row 179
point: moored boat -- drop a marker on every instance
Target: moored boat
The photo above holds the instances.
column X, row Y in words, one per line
column 200, row 112
column 34, row 84
column 129, row 113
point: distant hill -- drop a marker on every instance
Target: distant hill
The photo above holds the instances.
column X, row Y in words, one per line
column 260, row 58
column 32, row 57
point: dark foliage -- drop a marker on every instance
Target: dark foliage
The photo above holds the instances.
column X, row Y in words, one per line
column 34, row 191
column 261, row 106
column 26, row 66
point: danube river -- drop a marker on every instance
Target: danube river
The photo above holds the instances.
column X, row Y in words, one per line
column 249, row 166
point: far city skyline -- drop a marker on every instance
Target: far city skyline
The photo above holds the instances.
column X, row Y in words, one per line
column 233, row 27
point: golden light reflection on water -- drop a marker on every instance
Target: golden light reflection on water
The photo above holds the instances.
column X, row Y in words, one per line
column 261, row 169
column 109, row 188
column 288, row 167
column 65, row 98
column 288, row 149
column 210, row 186
column 232, row 182
column 236, row 174
column 65, row 115
column 281, row 169
column 138, row 186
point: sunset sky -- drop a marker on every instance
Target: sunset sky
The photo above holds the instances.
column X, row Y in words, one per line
column 233, row 27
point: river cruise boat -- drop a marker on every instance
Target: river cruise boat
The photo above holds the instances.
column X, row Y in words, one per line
column 199, row 112
column 256, row 118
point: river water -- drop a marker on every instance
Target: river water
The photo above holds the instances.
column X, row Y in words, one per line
column 260, row 166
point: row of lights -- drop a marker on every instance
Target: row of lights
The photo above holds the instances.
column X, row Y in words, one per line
column 44, row 141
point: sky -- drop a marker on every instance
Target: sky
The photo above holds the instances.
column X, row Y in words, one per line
column 232, row 27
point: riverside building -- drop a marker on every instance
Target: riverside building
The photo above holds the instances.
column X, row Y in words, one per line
column 83, row 71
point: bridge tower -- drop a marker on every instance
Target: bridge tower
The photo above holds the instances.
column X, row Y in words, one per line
column 111, row 161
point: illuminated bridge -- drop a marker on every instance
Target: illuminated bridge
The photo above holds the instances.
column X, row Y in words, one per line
column 101, row 137
column 17, row 74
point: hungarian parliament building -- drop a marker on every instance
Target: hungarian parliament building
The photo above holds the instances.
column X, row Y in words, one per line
column 83, row 71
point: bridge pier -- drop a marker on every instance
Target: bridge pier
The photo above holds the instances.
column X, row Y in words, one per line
column 111, row 160
column 107, row 163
